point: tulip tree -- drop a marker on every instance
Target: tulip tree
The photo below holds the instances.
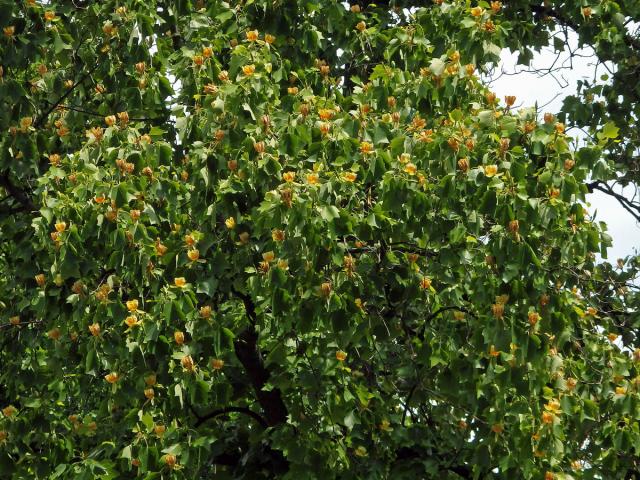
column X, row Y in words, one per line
column 267, row 239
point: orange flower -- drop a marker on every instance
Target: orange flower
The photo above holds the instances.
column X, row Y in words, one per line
column 341, row 356
column 277, row 235
column 110, row 120
column 112, row 377
column 289, row 176
column 477, row 11
column 496, row 6
column 217, row 364
column 207, row 52
column 325, row 114
column 9, row 31
column 193, row 255
column 94, row 328
column 312, row 179
column 248, row 70
column 361, row 26
column 510, row 100
column 149, row 393
column 49, row 15
column 54, row 334
column 425, row 283
column 534, row 318
column 9, row 411
column 159, row 430
column 40, row 279
column 140, row 67
column 150, row 379
column 259, row 147
column 269, row 38
column 205, row 311
column 493, row 352
column 252, row 35
column 547, row 417
column 179, row 282
column 292, row 90
column 170, row 461
column 187, row 363
column 497, row 428
column 349, row 176
column 178, row 337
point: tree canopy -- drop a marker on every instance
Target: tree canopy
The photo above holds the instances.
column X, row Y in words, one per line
column 280, row 239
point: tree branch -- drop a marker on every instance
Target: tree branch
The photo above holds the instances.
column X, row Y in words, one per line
column 41, row 119
column 17, row 193
column 222, row 411
column 246, row 349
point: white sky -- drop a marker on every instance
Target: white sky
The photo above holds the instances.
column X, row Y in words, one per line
column 530, row 88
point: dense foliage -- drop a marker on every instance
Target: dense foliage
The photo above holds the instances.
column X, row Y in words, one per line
column 279, row 239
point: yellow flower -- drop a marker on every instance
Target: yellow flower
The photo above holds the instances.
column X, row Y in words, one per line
column 621, row 390
column 366, row 148
column 9, row 31
column 112, row 377
column 230, row 223
column 425, row 283
column 553, row 406
column 361, row 26
column 110, row 120
column 252, row 35
column 269, row 38
column 178, row 337
column 207, row 52
column 132, row 305
column 410, row 168
column 49, row 15
column 341, row 356
column 193, row 255
column 312, row 179
column 131, row 321
column 149, row 393
column 205, row 311
column 350, row 176
column 248, row 70
column 361, row 451
column 179, row 282
column 477, row 11
column 268, row 256
column 289, row 176
column 490, row 170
